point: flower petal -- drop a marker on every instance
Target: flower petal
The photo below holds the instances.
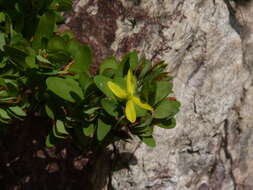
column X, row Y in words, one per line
column 130, row 82
column 130, row 111
column 138, row 102
column 117, row 90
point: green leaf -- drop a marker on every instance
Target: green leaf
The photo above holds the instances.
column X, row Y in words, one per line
column 91, row 110
column 2, row 41
column 163, row 89
column 147, row 67
column 31, row 62
column 57, row 134
column 139, row 103
column 16, row 54
column 50, row 140
column 150, row 141
column 155, row 73
column 81, row 55
column 143, row 131
column 167, row 124
column 68, row 89
column 54, row 72
column 130, row 111
column 4, row 114
column 60, row 57
column 89, row 131
column 3, row 121
column 2, row 15
column 67, row 35
column 108, row 64
column 7, row 99
column 42, row 59
column 121, row 82
column 3, row 62
column 102, row 130
column 166, row 109
column 101, row 83
column 17, row 111
column 145, row 122
column 46, row 25
column 144, row 128
column 61, row 5
column 85, row 81
column 56, row 43
column 110, row 107
column 133, row 60
column 117, row 90
column 123, row 67
column 61, row 127
column 49, row 112
column 147, row 132
column 140, row 112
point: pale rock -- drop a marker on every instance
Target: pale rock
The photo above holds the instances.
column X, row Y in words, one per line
column 208, row 45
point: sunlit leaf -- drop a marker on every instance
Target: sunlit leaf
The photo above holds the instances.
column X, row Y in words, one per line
column 4, row 114
column 18, row 111
column 130, row 111
column 89, row 130
column 117, row 90
column 150, row 141
column 91, row 110
column 61, row 127
column 42, row 59
column 130, row 83
column 142, row 105
column 166, row 109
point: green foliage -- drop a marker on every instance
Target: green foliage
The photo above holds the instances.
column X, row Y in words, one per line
column 48, row 73
column 68, row 89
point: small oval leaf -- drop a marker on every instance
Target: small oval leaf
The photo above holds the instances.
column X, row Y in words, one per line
column 102, row 130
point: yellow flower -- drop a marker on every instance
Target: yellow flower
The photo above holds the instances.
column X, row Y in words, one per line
column 129, row 96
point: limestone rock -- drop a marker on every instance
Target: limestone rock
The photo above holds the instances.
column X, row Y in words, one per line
column 208, row 45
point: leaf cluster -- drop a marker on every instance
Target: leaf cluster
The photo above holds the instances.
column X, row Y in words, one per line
column 46, row 73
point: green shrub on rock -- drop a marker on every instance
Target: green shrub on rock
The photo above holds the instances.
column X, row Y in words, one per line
column 48, row 73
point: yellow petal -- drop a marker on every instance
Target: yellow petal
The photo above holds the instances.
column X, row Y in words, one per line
column 143, row 105
column 117, row 90
column 130, row 82
column 130, row 111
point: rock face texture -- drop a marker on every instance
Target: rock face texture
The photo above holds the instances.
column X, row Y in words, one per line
column 208, row 45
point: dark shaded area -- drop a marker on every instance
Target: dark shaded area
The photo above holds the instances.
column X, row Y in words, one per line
column 25, row 163
column 242, row 2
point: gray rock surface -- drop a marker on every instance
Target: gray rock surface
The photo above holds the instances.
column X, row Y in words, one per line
column 208, row 45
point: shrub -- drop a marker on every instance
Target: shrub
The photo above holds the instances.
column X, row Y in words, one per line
column 47, row 73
